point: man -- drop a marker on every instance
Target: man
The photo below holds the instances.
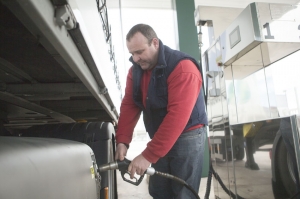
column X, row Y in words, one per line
column 165, row 85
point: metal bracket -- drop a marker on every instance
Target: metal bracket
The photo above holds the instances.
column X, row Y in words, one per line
column 65, row 17
column 113, row 108
column 215, row 92
column 59, row 2
column 212, row 74
column 103, row 90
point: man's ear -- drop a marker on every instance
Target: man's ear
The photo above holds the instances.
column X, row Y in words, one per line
column 155, row 42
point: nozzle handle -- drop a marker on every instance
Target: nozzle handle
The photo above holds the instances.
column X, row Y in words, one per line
column 123, row 167
column 135, row 181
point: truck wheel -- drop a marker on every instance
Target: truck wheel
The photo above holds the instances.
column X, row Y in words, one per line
column 111, row 177
column 285, row 168
column 240, row 153
column 228, row 156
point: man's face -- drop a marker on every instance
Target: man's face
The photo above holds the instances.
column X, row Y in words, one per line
column 142, row 53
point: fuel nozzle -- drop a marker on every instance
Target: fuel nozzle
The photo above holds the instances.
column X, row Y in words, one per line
column 123, row 167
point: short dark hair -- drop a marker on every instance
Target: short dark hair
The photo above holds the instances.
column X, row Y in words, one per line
column 144, row 29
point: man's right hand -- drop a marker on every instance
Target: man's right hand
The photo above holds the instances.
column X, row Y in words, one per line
column 121, row 152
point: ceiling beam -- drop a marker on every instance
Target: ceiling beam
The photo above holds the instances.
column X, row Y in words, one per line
column 72, row 105
column 44, row 88
column 15, row 101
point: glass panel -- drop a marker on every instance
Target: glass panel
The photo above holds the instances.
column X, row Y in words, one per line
column 251, row 97
column 248, row 64
column 214, row 56
column 252, row 145
column 271, row 54
column 230, row 95
column 284, row 86
column 296, row 135
column 221, row 139
column 220, row 144
column 211, row 67
column 204, row 69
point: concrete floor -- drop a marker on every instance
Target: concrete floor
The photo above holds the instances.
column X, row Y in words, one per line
column 127, row 190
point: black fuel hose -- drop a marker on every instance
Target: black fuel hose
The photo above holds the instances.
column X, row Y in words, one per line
column 208, row 184
column 166, row 175
column 123, row 165
column 223, row 186
column 217, row 177
column 296, row 194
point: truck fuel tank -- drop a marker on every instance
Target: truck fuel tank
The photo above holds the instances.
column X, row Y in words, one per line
column 47, row 168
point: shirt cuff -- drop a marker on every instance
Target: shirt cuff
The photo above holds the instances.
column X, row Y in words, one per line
column 127, row 145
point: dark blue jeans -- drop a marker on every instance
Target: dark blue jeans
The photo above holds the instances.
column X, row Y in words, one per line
column 185, row 161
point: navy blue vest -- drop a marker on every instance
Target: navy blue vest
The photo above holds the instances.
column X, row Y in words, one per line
column 157, row 96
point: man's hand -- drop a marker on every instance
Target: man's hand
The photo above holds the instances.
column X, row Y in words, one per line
column 121, row 152
column 138, row 165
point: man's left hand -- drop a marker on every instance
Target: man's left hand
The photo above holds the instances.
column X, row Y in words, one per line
column 138, row 165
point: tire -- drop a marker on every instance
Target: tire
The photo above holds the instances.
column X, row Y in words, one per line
column 107, row 155
column 112, row 178
column 229, row 155
column 240, row 153
column 285, row 169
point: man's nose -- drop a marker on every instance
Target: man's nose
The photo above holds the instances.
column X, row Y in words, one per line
column 136, row 58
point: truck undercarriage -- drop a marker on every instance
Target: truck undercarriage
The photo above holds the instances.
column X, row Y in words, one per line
column 51, row 87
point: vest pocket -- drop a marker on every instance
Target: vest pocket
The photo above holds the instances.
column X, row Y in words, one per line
column 159, row 113
column 161, row 99
column 161, row 91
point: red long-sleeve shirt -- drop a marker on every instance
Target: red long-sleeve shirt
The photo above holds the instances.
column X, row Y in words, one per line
column 184, row 85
